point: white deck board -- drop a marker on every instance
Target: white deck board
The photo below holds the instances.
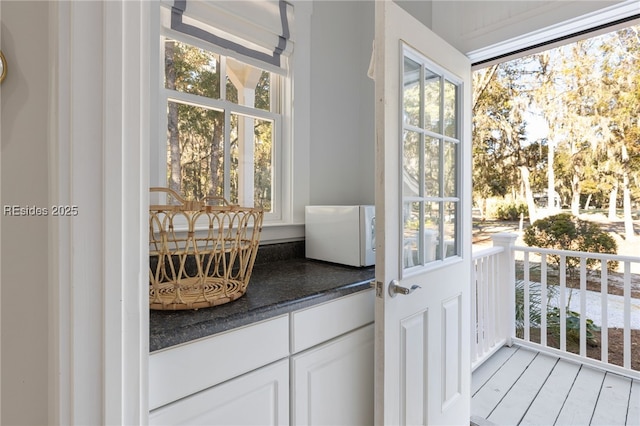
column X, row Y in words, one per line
column 490, row 395
column 547, row 405
column 613, row 401
column 522, row 386
column 581, row 401
column 490, row 366
column 633, row 413
column 513, row 406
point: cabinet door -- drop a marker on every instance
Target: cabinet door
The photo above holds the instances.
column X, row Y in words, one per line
column 333, row 382
column 258, row 398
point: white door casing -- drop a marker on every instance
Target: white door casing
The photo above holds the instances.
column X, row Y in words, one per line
column 422, row 351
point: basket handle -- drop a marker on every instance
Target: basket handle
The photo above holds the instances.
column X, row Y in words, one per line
column 169, row 191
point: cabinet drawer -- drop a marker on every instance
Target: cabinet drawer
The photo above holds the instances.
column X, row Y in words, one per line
column 184, row 370
column 259, row 398
column 320, row 323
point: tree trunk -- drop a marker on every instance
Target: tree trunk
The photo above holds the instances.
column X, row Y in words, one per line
column 626, row 206
column 613, row 202
column 575, row 195
column 551, row 179
column 586, row 204
column 175, row 175
column 528, row 194
column 217, row 151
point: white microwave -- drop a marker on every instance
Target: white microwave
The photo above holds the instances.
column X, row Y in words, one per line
column 341, row 234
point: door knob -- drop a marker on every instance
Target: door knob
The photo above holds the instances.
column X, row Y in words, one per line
column 395, row 288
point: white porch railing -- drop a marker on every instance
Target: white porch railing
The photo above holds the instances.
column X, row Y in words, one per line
column 492, row 299
column 543, row 290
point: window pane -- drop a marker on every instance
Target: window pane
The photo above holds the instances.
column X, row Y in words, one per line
column 411, row 164
column 263, row 91
column 432, row 167
column 189, row 69
column 237, row 123
column 251, row 168
column 411, row 92
column 431, row 231
column 450, row 109
column 232, row 92
column 449, row 169
column 450, row 228
column 411, row 231
column 432, row 101
column 248, row 85
column 263, row 155
column 195, row 150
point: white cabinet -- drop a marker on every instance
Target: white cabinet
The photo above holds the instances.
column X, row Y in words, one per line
column 259, row 398
column 332, row 384
column 315, row 364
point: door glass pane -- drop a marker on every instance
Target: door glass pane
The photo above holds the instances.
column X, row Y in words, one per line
column 450, row 228
column 411, row 92
column 449, row 169
column 431, row 232
column 450, row 110
column 432, row 167
column 411, row 164
column 410, row 235
column 432, row 101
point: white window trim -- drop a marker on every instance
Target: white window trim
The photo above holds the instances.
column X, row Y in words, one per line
column 281, row 201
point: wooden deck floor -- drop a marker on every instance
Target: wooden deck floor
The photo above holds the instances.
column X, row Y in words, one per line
column 518, row 386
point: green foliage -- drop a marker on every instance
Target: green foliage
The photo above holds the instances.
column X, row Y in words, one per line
column 511, row 211
column 534, row 304
column 567, row 232
column 553, row 315
column 588, row 96
column 572, row 326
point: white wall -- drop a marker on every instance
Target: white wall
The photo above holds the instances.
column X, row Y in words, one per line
column 342, row 107
column 24, row 99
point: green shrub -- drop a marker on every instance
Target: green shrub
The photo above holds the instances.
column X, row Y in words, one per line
column 566, row 232
column 553, row 315
column 511, row 211
column 572, row 326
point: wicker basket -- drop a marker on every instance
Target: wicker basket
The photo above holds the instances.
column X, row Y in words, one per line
column 191, row 269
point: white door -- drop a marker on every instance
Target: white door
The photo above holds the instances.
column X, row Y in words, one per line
column 423, row 215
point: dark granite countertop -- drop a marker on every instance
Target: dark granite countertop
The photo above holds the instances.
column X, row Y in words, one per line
column 276, row 287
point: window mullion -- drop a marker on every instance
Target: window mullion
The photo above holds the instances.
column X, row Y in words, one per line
column 227, row 155
column 223, row 78
column 422, row 248
column 442, row 245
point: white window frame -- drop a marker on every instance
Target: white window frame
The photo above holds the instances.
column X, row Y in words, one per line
column 281, row 200
column 423, row 263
